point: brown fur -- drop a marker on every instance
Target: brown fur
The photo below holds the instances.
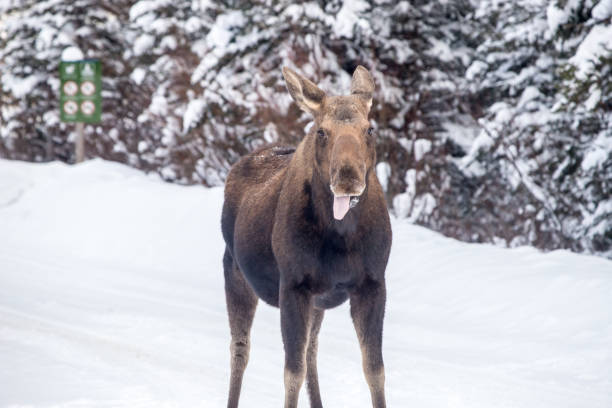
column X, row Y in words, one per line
column 284, row 246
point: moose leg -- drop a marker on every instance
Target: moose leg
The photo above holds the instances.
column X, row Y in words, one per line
column 367, row 311
column 241, row 304
column 296, row 312
column 312, row 377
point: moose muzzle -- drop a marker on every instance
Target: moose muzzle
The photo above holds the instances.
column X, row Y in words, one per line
column 347, row 174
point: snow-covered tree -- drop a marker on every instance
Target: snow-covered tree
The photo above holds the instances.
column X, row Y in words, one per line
column 543, row 158
column 33, row 35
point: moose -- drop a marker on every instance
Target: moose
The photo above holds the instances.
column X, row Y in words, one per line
column 306, row 229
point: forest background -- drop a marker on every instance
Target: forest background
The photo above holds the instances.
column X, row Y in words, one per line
column 493, row 117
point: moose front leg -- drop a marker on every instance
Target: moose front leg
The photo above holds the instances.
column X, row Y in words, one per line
column 312, row 377
column 296, row 312
column 367, row 311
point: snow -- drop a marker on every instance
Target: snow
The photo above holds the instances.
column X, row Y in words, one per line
column 20, row 86
column 462, row 134
column 556, row 16
column 348, row 17
column 142, row 146
column 295, row 11
column 271, row 133
column 403, row 203
column 159, row 104
column 193, row 24
column 313, row 11
column 220, row 33
column 138, row 75
column 144, row 7
column 111, row 294
column 481, row 142
column 143, row 43
column 602, row 10
column 202, row 5
column 217, row 43
column 596, row 44
column 159, row 26
column 598, row 153
column 593, row 99
column 421, row 147
column 441, row 50
column 402, row 51
column 383, row 172
column 193, row 113
column 168, row 42
column 72, row 54
column 342, row 25
column 45, row 38
column 476, row 69
column 529, row 94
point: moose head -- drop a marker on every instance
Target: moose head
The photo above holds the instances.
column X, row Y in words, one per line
column 345, row 146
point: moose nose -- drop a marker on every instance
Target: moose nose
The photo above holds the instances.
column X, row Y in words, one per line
column 347, row 171
column 348, row 180
column 347, row 167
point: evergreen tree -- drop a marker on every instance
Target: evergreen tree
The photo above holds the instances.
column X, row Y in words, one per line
column 33, row 36
column 543, row 157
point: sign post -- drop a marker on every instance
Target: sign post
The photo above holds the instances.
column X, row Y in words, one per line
column 80, row 97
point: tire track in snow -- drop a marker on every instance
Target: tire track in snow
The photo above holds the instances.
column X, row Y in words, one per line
column 123, row 288
column 122, row 351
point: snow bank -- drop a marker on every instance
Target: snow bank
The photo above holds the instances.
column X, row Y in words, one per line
column 111, row 294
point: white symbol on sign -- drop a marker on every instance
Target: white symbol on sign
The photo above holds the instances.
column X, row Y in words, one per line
column 70, row 107
column 88, row 107
column 88, row 88
column 70, row 88
column 87, row 70
column 69, row 69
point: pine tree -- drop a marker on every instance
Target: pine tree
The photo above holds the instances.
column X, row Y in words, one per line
column 543, row 157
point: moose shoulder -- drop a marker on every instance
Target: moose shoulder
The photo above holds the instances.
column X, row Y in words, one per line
column 305, row 230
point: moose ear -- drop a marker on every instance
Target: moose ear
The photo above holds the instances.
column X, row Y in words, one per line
column 306, row 94
column 363, row 85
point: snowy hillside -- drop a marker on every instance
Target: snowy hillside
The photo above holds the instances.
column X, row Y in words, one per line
column 111, row 295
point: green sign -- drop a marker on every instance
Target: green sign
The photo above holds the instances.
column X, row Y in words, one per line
column 80, row 92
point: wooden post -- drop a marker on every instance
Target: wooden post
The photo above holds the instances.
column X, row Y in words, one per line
column 79, row 143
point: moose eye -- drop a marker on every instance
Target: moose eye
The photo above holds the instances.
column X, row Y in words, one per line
column 370, row 137
column 321, row 135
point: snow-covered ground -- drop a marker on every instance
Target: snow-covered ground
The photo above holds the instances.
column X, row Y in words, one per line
column 111, row 295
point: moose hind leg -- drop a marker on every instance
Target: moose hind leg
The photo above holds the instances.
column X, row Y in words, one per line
column 367, row 311
column 241, row 305
column 312, row 377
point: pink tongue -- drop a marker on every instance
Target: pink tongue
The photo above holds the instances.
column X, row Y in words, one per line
column 341, row 206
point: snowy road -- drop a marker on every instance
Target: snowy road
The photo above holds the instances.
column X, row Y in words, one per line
column 111, row 295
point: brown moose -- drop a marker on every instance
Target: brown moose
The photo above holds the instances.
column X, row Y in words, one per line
column 305, row 230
